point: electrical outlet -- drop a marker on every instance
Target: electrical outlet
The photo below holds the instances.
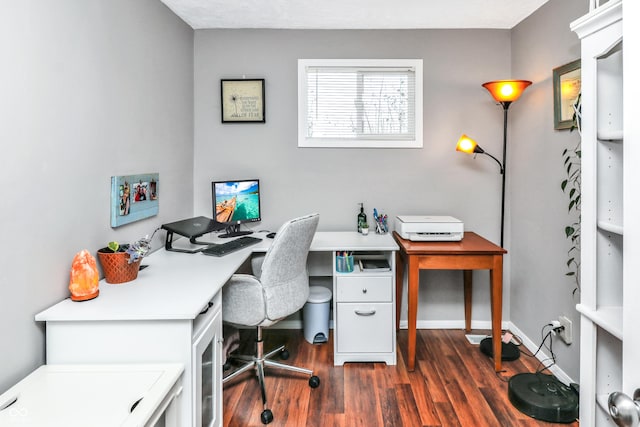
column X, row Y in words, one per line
column 567, row 333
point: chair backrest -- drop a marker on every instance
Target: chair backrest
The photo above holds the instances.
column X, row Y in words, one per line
column 284, row 273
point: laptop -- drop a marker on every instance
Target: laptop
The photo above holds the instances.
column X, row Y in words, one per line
column 191, row 228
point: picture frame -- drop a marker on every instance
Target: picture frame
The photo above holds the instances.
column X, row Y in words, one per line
column 134, row 197
column 242, row 100
column 566, row 88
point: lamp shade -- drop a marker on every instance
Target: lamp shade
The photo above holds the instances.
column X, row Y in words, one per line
column 468, row 145
column 506, row 90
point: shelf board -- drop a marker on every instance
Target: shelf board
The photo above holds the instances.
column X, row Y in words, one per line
column 608, row 318
column 611, row 227
column 610, row 135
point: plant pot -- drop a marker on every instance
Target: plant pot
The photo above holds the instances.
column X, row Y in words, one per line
column 116, row 267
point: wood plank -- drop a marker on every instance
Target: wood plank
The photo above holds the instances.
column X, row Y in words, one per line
column 454, row 384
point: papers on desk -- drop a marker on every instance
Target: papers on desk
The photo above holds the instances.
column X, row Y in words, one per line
column 374, row 264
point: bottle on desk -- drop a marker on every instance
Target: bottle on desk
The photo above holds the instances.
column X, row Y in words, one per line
column 362, row 218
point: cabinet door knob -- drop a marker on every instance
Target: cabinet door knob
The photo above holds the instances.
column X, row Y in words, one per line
column 364, row 290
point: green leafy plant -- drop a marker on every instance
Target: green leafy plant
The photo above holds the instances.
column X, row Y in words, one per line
column 571, row 187
column 136, row 250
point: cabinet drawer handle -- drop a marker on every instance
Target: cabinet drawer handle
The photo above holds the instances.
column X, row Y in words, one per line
column 204, row 310
column 365, row 313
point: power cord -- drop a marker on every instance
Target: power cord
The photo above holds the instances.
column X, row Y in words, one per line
column 545, row 334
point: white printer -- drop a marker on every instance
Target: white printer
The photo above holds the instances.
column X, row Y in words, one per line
column 425, row 228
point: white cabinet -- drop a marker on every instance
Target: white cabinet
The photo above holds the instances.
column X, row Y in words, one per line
column 195, row 343
column 364, row 313
column 206, row 354
column 603, row 259
column 94, row 395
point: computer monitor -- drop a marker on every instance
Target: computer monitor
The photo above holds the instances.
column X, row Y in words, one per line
column 234, row 203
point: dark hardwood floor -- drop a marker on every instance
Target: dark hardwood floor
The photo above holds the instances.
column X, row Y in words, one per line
column 454, row 384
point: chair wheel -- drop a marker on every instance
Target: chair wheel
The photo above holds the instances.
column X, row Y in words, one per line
column 314, row 381
column 284, row 354
column 266, row 416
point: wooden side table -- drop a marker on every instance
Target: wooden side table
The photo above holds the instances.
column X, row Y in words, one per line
column 473, row 252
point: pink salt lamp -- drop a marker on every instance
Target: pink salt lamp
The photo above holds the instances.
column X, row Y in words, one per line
column 83, row 283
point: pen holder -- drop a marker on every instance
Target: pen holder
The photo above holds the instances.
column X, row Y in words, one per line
column 344, row 263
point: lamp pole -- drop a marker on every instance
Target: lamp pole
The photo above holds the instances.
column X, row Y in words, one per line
column 505, row 106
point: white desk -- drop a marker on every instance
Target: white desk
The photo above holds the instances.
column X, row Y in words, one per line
column 93, row 395
column 155, row 319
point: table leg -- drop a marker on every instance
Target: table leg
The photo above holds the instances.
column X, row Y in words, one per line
column 399, row 283
column 412, row 303
column 496, row 310
column 468, row 288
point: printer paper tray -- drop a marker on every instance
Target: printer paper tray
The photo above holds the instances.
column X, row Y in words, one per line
column 435, row 237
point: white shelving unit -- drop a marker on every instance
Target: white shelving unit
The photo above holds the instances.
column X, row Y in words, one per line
column 602, row 238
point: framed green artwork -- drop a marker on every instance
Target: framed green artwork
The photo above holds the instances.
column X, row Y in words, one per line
column 566, row 89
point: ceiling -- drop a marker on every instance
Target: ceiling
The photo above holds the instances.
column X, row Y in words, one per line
column 353, row 14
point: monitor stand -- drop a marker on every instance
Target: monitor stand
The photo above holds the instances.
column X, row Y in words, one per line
column 234, row 231
column 168, row 244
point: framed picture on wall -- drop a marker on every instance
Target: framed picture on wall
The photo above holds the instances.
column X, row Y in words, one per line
column 134, row 197
column 566, row 89
column 242, row 100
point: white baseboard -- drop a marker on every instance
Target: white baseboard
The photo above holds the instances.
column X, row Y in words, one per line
column 450, row 324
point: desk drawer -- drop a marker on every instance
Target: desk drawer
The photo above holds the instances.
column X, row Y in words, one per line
column 364, row 288
column 365, row 328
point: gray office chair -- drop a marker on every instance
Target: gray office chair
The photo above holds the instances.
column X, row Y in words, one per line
column 281, row 289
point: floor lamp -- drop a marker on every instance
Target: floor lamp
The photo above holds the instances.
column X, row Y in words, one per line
column 505, row 92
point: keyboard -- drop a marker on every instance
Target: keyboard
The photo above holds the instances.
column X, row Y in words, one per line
column 231, row 246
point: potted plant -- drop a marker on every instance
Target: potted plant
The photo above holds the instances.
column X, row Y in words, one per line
column 364, row 229
column 121, row 263
column 571, row 186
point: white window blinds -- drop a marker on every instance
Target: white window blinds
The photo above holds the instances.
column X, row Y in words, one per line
column 360, row 103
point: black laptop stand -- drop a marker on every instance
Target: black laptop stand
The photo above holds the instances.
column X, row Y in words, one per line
column 191, row 228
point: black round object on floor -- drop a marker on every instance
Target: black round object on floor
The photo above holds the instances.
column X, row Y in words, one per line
column 543, row 397
column 510, row 351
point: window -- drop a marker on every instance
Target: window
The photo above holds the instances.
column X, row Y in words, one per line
column 360, row 103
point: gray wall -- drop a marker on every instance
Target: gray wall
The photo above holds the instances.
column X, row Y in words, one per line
column 540, row 291
column 90, row 89
column 432, row 180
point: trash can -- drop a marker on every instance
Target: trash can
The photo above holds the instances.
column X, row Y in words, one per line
column 315, row 315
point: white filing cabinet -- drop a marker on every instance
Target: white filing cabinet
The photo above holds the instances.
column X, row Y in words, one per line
column 364, row 314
